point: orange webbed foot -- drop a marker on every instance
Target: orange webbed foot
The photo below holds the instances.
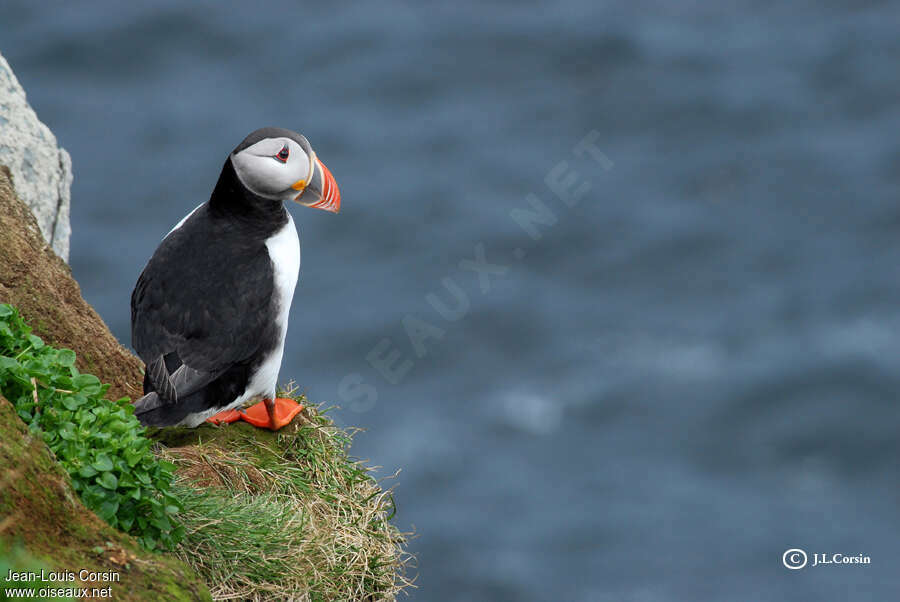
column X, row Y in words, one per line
column 226, row 417
column 272, row 414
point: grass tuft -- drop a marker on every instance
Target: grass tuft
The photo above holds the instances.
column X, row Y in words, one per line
column 286, row 516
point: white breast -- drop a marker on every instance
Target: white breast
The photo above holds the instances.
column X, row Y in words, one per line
column 284, row 250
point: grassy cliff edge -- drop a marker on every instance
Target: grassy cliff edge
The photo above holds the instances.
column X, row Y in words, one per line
column 268, row 516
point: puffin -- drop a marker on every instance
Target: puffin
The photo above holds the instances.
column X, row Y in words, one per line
column 209, row 312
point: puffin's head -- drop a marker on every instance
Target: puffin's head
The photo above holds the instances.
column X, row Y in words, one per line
column 279, row 164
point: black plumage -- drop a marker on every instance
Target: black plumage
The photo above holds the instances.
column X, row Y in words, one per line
column 203, row 308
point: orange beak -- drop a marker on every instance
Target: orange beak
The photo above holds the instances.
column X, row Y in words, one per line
column 321, row 192
column 331, row 194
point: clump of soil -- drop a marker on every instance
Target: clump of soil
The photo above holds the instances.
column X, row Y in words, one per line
column 35, row 280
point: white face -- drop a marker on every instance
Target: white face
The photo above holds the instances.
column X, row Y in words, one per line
column 274, row 168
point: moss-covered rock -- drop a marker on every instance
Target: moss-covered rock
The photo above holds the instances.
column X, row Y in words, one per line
column 40, row 511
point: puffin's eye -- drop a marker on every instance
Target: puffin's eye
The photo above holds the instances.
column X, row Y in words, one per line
column 283, row 154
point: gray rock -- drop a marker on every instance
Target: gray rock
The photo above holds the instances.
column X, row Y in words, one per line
column 42, row 171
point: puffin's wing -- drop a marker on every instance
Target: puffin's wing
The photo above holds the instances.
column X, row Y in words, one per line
column 211, row 306
column 161, row 379
column 186, row 380
column 170, row 387
column 180, row 383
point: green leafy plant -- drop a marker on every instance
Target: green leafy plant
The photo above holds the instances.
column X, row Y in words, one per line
column 99, row 442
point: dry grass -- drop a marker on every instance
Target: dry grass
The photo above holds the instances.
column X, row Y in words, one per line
column 288, row 516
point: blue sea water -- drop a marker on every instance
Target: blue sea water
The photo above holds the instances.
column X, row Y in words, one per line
column 687, row 371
